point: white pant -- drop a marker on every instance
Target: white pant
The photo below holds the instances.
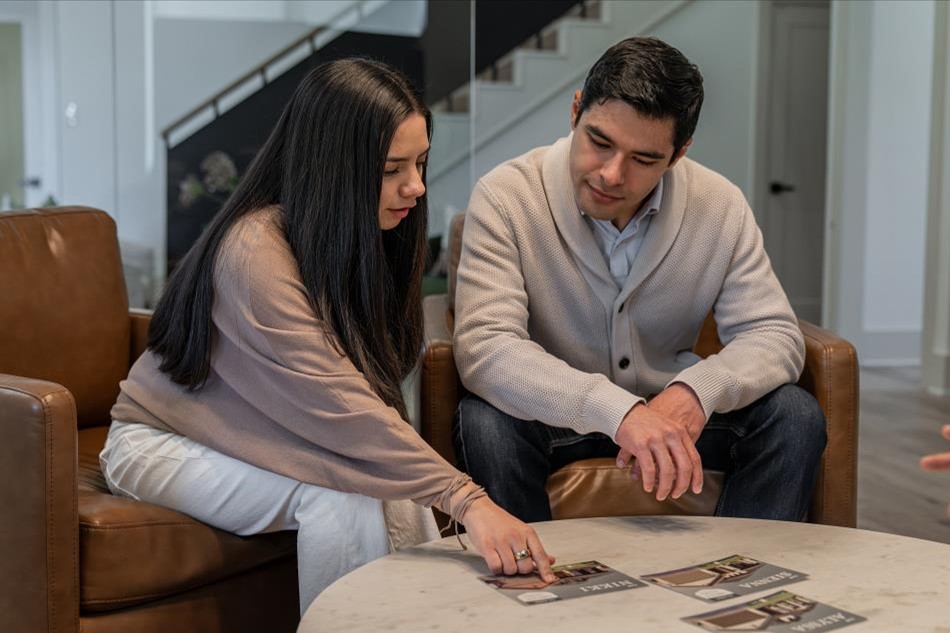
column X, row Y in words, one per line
column 336, row 531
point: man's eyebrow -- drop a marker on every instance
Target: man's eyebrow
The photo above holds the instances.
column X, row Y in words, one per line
column 399, row 159
column 596, row 131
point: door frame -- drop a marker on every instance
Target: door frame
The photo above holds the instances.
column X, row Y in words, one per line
column 40, row 121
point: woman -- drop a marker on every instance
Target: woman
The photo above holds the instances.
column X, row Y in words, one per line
column 269, row 397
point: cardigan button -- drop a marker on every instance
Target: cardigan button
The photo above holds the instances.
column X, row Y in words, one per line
column 624, row 362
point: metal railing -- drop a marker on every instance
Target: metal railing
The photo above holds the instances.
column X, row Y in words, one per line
column 212, row 108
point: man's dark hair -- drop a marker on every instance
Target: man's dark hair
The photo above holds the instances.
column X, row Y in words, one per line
column 652, row 77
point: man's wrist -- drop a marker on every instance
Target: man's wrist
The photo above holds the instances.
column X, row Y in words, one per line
column 630, row 414
column 692, row 392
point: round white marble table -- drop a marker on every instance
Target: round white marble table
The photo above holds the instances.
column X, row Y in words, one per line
column 899, row 584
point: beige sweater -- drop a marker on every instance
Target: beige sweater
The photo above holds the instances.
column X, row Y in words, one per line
column 544, row 333
column 278, row 396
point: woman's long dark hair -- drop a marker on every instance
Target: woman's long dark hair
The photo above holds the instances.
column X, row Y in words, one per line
column 323, row 164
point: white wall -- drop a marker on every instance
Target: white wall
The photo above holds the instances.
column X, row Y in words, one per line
column 86, row 100
column 722, row 39
column 251, row 10
column 879, row 129
column 194, row 59
column 311, row 11
column 402, row 17
column 898, row 130
column 405, row 17
column 140, row 160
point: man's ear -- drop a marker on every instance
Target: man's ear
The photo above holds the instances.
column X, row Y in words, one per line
column 680, row 154
column 575, row 107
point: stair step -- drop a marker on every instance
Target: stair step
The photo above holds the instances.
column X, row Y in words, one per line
column 500, row 72
column 590, row 11
column 509, row 71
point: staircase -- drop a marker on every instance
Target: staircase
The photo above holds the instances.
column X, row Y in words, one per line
column 524, row 100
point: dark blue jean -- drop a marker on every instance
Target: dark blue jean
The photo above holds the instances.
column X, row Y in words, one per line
column 769, row 452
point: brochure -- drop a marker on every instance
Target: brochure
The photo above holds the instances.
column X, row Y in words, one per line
column 726, row 578
column 781, row 611
column 575, row 580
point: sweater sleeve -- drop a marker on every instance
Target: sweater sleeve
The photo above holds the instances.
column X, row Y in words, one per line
column 763, row 345
column 495, row 355
column 275, row 353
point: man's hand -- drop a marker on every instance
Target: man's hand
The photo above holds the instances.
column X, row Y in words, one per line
column 679, row 403
column 665, row 452
column 938, row 461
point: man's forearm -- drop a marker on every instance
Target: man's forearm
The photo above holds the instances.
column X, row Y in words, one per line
column 523, row 380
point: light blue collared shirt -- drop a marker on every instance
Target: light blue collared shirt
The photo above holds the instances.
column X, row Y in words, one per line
column 620, row 248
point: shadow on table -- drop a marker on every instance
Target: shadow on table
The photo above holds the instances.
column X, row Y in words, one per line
column 657, row 524
column 470, row 558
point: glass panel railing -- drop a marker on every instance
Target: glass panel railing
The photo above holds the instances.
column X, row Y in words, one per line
column 525, row 75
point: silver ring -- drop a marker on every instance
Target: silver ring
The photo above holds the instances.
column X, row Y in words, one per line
column 525, row 553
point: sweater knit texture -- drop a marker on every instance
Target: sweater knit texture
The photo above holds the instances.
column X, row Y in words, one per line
column 544, row 333
column 278, row 395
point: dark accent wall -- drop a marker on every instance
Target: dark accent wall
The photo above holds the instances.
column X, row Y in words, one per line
column 501, row 25
column 445, row 43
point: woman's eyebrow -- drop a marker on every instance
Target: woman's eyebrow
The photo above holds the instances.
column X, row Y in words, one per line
column 399, row 159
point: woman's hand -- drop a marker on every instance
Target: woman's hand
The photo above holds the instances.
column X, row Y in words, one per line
column 498, row 536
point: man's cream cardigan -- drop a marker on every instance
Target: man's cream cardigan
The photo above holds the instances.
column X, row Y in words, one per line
column 543, row 332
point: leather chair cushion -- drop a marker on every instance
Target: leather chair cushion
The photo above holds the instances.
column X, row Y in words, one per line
column 133, row 552
column 597, row 488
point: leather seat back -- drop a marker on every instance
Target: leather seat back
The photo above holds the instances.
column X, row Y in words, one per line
column 63, row 305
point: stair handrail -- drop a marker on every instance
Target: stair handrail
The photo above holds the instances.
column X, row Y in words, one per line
column 261, row 69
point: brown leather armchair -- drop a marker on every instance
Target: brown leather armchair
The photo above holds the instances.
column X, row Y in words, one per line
column 596, row 487
column 73, row 557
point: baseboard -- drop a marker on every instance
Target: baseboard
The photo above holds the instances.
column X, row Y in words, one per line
column 888, row 348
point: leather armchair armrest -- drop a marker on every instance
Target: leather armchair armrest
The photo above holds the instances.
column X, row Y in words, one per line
column 831, row 375
column 39, row 531
column 139, row 321
column 440, row 389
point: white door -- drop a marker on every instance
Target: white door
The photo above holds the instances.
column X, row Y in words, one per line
column 28, row 175
column 794, row 183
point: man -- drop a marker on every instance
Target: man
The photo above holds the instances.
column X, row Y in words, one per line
column 587, row 270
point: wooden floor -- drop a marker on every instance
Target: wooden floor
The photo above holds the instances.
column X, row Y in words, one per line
column 899, row 423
